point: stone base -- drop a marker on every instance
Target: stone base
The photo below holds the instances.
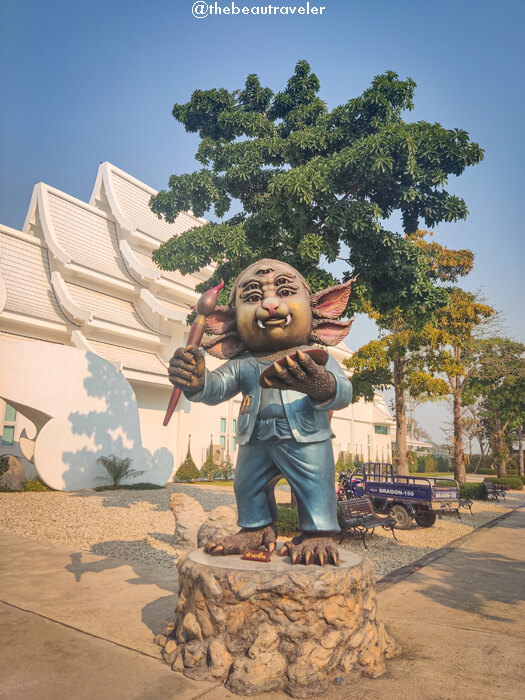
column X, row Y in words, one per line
column 273, row 626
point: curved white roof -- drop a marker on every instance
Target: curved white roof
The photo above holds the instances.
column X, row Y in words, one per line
column 107, row 307
column 24, row 266
column 135, row 360
column 85, row 234
column 132, row 197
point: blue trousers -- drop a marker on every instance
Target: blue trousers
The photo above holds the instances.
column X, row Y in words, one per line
column 308, row 468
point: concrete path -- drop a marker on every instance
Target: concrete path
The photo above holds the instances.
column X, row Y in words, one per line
column 76, row 625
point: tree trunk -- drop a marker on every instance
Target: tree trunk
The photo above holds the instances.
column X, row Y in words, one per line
column 459, row 455
column 401, row 418
column 499, row 448
column 520, row 450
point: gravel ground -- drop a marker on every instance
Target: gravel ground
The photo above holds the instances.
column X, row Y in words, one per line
column 138, row 525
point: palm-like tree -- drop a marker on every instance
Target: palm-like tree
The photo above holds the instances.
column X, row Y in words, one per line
column 118, row 469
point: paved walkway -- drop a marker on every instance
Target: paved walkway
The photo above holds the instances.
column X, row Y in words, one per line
column 80, row 626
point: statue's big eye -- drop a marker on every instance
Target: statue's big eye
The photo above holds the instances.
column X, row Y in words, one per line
column 281, row 280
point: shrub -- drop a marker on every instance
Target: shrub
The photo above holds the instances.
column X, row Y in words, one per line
column 442, row 464
column 209, row 469
column 4, row 463
column 288, row 521
column 187, row 470
column 430, row 463
column 227, row 470
column 35, row 484
column 476, row 492
column 487, row 471
column 513, row 482
column 118, row 468
column 340, row 465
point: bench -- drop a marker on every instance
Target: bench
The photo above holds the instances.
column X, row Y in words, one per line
column 494, row 491
column 359, row 516
column 465, row 503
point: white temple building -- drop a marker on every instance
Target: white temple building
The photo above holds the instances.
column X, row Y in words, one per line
column 81, row 275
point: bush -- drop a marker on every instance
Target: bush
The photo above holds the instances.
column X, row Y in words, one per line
column 340, row 465
column 4, row 463
column 430, row 463
column 288, row 521
column 35, row 484
column 227, row 470
column 442, row 464
column 513, row 482
column 487, row 471
column 476, row 492
column 187, row 470
column 209, row 469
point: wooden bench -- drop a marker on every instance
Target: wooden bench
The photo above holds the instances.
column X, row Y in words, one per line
column 359, row 516
column 494, row 491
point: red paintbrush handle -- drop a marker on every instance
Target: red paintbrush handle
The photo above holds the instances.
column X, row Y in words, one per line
column 205, row 306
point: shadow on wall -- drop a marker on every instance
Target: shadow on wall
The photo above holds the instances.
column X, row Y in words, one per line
column 113, row 430
column 83, row 408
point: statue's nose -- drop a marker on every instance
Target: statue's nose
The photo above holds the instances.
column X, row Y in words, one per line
column 271, row 304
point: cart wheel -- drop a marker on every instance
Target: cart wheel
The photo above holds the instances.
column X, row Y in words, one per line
column 425, row 518
column 402, row 516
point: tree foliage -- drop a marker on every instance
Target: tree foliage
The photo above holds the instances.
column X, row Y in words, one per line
column 400, row 357
column 498, row 384
column 118, row 469
column 188, row 470
column 314, row 184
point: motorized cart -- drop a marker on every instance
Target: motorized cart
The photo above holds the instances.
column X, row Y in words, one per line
column 405, row 498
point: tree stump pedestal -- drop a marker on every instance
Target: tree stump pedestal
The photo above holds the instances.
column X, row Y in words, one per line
column 261, row 626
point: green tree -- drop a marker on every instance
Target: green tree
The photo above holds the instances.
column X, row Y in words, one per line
column 401, row 357
column 188, row 469
column 118, row 469
column 453, row 354
column 313, row 184
column 498, row 384
column 209, row 469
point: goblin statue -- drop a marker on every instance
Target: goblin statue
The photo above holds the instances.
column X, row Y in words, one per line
column 283, row 430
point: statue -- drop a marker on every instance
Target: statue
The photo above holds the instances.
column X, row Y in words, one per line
column 266, row 333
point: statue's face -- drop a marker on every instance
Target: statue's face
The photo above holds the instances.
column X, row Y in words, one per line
column 272, row 307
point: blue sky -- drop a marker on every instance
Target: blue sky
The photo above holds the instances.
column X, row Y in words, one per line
column 88, row 82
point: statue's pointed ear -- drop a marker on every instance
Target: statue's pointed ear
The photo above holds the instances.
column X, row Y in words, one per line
column 220, row 321
column 331, row 302
column 225, row 346
column 330, row 332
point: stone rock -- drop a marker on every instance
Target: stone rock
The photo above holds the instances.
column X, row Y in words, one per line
column 189, row 516
column 273, row 626
column 222, row 521
column 14, row 478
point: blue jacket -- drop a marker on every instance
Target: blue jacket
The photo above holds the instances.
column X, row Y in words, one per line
column 308, row 419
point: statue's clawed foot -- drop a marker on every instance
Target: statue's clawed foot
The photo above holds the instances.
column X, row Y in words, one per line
column 311, row 548
column 242, row 541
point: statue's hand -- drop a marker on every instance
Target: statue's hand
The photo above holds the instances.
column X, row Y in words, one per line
column 187, row 369
column 305, row 375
